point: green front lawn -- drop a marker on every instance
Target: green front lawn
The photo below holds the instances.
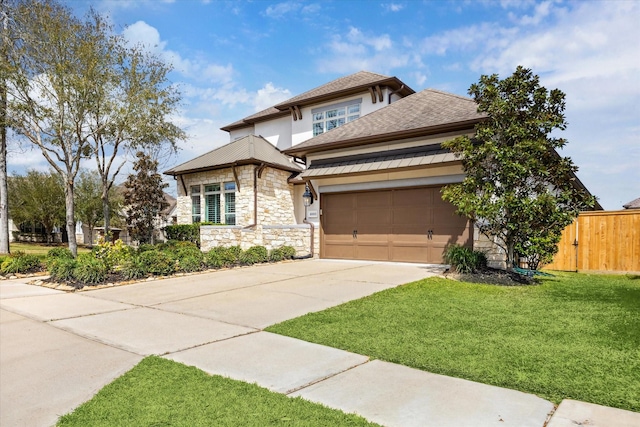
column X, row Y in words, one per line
column 39, row 249
column 574, row 336
column 160, row 392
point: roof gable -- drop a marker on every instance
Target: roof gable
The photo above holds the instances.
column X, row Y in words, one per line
column 250, row 149
column 634, row 204
column 340, row 87
column 429, row 109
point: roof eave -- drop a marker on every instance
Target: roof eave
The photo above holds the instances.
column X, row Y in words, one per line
column 391, row 136
column 229, row 165
column 391, row 82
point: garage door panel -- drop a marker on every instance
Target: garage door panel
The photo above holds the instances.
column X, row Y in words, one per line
column 391, row 225
column 376, row 199
column 420, row 197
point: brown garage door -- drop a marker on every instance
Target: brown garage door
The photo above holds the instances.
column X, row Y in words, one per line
column 411, row 225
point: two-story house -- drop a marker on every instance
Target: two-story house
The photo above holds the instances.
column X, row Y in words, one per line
column 368, row 150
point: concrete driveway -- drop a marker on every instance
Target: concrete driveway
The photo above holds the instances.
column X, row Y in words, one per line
column 58, row 349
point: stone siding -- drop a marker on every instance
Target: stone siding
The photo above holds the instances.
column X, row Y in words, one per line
column 275, row 195
column 496, row 257
column 269, row 236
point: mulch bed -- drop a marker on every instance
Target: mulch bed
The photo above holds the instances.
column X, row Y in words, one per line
column 493, row 276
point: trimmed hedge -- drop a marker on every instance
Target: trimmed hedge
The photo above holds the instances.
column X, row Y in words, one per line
column 254, row 255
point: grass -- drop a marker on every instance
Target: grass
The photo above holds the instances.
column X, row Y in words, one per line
column 574, row 336
column 160, row 392
column 40, row 249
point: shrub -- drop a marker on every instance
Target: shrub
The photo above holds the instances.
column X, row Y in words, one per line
column 157, row 262
column 89, row 269
column 61, row 268
column 134, row 268
column 254, row 255
column 146, row 247
column 235, row 252
column 59, row 253
column 19, row 262
column 463, row 259
column 184, row 232
column 190, row 260
column 112, row 253
column 276, row 255
column 219, row 257
column 288, row 251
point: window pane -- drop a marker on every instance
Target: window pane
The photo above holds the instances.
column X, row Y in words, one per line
column 210, row 188
column 332, row 124
column 340, row 122
column 230, row 208
column 341, row 112
column 212, row 208
column 352, row 118
column 318, row 128
column 229, row 186
column 354, row 108
column 332, row 113
column 318, row 116
column 195, row 189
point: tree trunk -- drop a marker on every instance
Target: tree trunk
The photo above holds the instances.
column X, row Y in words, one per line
column 70, row 213
column 4, row 193
column 106, row 213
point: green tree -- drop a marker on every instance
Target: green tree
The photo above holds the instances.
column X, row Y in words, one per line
column 132, row 110
column 517, row 187
column 144, row 198
column 88, row 193
column 37, row 197
column 54, row 72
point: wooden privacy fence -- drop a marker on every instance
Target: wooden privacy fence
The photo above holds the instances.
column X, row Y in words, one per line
column 605, row 241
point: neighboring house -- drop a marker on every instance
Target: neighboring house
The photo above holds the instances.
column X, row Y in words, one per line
column 367, row 147
column 634, row 204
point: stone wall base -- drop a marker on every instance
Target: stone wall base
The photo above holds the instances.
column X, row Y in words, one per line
column 270, row 236
column 496, row 257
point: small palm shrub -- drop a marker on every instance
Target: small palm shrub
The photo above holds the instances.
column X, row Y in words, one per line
column 464, row 260
column 235, row 252
column 61, row 269
column 90, row 269
column 19, row 262
column 276, row 255
column 158, row 262
column 133, row 268
column 254, row 255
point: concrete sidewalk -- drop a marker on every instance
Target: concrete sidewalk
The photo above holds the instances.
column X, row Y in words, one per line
column 58, row 349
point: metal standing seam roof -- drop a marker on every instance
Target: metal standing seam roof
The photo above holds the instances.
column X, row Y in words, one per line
column 426, row 109
column 359, row 80
column 394, row 159
column 250, row 149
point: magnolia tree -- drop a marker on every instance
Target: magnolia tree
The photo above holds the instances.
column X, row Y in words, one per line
column 517, row 187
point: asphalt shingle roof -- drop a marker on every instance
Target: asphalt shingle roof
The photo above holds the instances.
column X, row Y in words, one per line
column 357, row 81
column 427, row 109
column 634, row 204
column 250, row 149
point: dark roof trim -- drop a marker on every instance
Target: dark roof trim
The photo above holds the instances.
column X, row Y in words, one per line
column 384, row 137
column 231, row 165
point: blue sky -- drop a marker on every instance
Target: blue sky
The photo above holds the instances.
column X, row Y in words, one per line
column 234, row 58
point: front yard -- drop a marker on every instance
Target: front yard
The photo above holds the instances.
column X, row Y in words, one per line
column 574, row 336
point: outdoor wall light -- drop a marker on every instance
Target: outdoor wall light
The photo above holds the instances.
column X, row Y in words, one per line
column 307, row 197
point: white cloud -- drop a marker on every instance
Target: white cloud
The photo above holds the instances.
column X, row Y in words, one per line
column 393, row 7
column 357, row 51
column 270, row 95
column 279, row 10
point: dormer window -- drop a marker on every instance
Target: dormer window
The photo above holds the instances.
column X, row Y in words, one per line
column 333, row 116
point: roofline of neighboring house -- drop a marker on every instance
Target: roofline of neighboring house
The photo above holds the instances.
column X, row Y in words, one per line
column 301, row 152
column 283, row 108
column 229, row 165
